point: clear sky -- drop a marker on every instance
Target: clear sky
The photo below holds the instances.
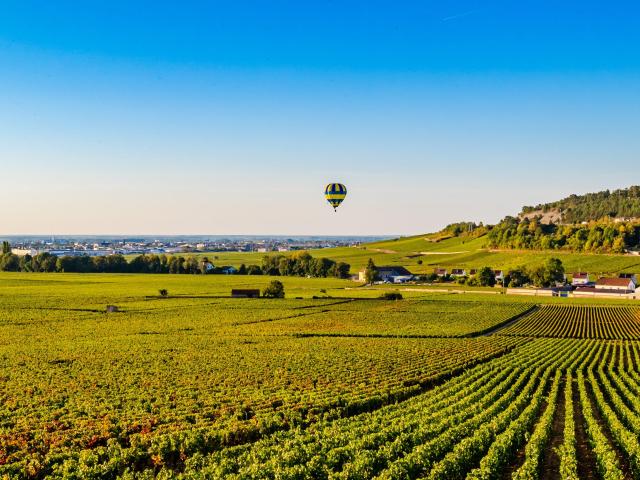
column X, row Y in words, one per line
column 230, row 117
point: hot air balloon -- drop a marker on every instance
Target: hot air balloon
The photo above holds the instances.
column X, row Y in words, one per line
column 335, row 193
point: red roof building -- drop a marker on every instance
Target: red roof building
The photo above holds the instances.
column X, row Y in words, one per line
column 615, row 284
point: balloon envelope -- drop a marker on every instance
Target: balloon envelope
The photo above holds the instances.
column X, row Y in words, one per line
column 335, row 193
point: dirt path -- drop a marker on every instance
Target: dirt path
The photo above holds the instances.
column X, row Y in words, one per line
column 623, row 460
column 550, row 468
column 378, row 250
column 519, row 458
column 444, row 253
column 587, row 468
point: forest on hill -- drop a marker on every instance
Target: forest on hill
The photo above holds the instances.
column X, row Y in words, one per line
column 514, row 233
column 623, row 204
column 602, row 222
column 593, row 237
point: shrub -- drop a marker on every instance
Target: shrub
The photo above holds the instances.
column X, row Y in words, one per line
column 274, row 290
column 391, row 296
column 163, row 292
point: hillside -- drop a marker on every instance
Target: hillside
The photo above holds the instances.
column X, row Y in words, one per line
column 618, row 204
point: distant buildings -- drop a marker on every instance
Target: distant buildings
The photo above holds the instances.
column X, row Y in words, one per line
column 92, row 246
column 21, row 252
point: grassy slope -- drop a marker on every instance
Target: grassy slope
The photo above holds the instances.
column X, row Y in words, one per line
column 449, row 253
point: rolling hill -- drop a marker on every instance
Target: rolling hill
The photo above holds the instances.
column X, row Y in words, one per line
column 621, row 204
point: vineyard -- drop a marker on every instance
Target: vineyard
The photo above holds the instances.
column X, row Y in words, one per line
column 605, row 322
column 197, row 386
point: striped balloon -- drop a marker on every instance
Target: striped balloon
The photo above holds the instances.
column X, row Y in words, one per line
column 335, row 193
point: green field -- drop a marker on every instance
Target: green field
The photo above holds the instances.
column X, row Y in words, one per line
column 199, row 385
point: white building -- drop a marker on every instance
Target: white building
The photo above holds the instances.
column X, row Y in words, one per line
column 389, row 274
column 615, row 284
column 580, row 278
column 21, row 252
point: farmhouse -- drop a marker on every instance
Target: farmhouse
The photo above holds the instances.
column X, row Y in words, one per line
column 394, row 274
column 441, row 272
column 458, row 272
column 208, row 267
column 245, row 293
column 390, row 274
column 607, row 284
column 228, row 270
column 579, row 278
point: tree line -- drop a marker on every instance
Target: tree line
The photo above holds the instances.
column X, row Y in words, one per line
column 302, row 264
column 604, row 236
column 623, row 203
column 298, row 264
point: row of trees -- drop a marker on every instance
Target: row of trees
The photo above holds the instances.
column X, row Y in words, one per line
column 298, row 264
column 593, row 237
column 302, row 264
column 45, row 262
column 550, row 274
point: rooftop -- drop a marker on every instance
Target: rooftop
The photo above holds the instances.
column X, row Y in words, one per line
column 613, row 282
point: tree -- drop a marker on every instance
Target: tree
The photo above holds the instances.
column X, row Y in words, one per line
column 6, row 247
column 549, row 274
column 191, row 265
column 9, row 262
column 323, row 267
column 391, row 296
column 44, row 262
column 204, row 264
column 517, row 278
column 370, row 272
column 555, row 270
column 342, row 270
column 486, row 277
column 274, row 290
column 271, row 264
column 175, row 264
column 254, row 270
column 242, row 270
column 26, row 263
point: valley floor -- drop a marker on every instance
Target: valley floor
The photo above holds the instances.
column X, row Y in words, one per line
column 197, row 385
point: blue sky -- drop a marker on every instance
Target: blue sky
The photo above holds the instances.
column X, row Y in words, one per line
column 230, row 117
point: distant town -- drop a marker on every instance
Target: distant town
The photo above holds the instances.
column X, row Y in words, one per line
column 100, row 246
